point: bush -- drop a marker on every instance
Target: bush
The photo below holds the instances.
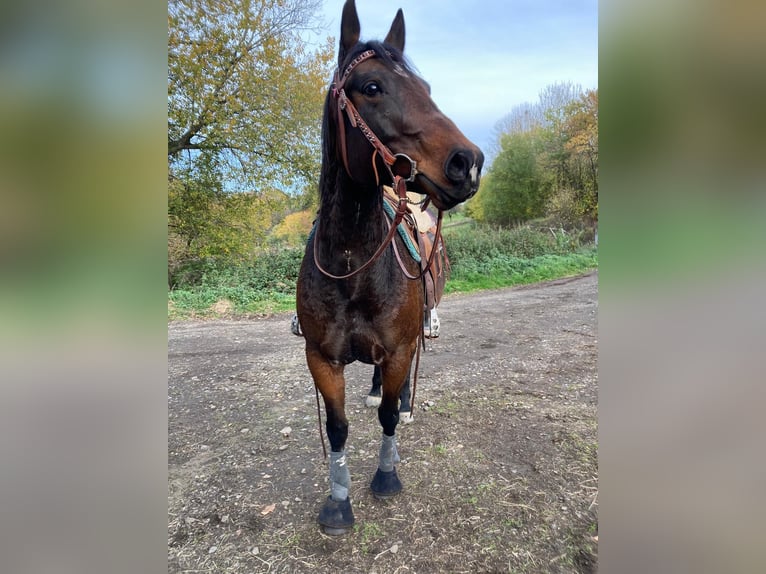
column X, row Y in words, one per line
column 479, row 255
column 271, row 276
column 294, row 229
column 564, row 209
column 476, row 245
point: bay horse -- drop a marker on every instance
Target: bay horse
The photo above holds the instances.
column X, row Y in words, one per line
column 356, row 297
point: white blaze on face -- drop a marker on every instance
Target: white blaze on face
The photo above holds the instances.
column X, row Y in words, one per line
column 474, row 173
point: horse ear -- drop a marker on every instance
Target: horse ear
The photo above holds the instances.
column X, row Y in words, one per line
column 349, row 30
column 395, row 35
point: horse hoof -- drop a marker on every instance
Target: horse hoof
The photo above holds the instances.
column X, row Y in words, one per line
column 334, row 531
column 372, row 401
column 336, row 517
column 385, row 484
column 406, row 418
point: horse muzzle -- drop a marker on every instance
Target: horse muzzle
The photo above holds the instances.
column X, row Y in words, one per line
column 446, row 197
column 463, row 170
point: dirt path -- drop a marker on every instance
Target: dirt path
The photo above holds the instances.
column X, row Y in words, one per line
column 500, row 472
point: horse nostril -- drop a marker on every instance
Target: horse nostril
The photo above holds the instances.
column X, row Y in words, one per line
column 458, row 166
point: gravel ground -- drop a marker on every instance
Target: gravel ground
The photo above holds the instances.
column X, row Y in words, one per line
column 500, row 467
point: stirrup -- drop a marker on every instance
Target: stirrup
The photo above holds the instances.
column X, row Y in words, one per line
column 295, row 326
column 431, row 324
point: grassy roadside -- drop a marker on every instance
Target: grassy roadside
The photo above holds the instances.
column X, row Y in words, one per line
column 517, row 271
column 481, row 258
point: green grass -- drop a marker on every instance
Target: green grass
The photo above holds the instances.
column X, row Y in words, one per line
column 370, row 533
column 509, row 271
column 241, row 300
column 481, row 258
column 446, row 408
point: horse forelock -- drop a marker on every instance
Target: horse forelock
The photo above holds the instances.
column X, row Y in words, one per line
column 386, row 53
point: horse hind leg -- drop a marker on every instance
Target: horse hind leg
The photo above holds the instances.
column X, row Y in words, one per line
column 406, row 415
column 374, row 396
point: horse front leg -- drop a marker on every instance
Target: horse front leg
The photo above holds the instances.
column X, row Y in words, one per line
column 394, row 372
column 336, row 516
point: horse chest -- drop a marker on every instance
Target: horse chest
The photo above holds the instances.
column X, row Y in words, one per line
column 355, row 344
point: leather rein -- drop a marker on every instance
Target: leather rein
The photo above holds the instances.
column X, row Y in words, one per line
column 396, row 164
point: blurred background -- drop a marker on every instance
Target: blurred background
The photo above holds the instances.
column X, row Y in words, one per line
column 84, row 285
column 681, row 321
column 82, row 312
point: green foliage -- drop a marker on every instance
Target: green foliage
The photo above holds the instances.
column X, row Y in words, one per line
column 244, row 88
column 481, row 257
column 273, row 271
column 506, row 271
column 515, row 189
column 580, row 135
column 546, row 162
column 245, row 100
column 294, row 229
column 487, row 257
column 565, row 210
column 266, row 283
column 472, row 245
column 208, row 225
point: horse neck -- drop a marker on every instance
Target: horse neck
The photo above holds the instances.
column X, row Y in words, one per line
column 351, row 215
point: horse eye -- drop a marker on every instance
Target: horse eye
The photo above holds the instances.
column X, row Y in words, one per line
column 371, row 89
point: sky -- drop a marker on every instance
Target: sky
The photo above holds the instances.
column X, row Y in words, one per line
column 482, row 58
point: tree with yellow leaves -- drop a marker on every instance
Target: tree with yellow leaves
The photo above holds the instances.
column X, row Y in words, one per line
column 245, row 94
column 243, row 86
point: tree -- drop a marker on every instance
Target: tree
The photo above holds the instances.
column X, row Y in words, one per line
column 581, row 131
column 245, row 97
column 546, row 161
column 572, row 156
column 515, row 189
column 294, row 229
column 522, row 118
column 206, row 223
column 243, row 87
column 551, row 103
column 554, row 100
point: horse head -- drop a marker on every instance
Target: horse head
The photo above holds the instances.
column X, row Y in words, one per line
column 386, row 122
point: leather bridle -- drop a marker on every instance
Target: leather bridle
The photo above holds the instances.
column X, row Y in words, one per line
column 395, row 163
column 400, row 167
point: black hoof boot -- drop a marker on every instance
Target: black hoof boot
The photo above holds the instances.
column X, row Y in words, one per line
column 385, row 484
column 336, row 517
